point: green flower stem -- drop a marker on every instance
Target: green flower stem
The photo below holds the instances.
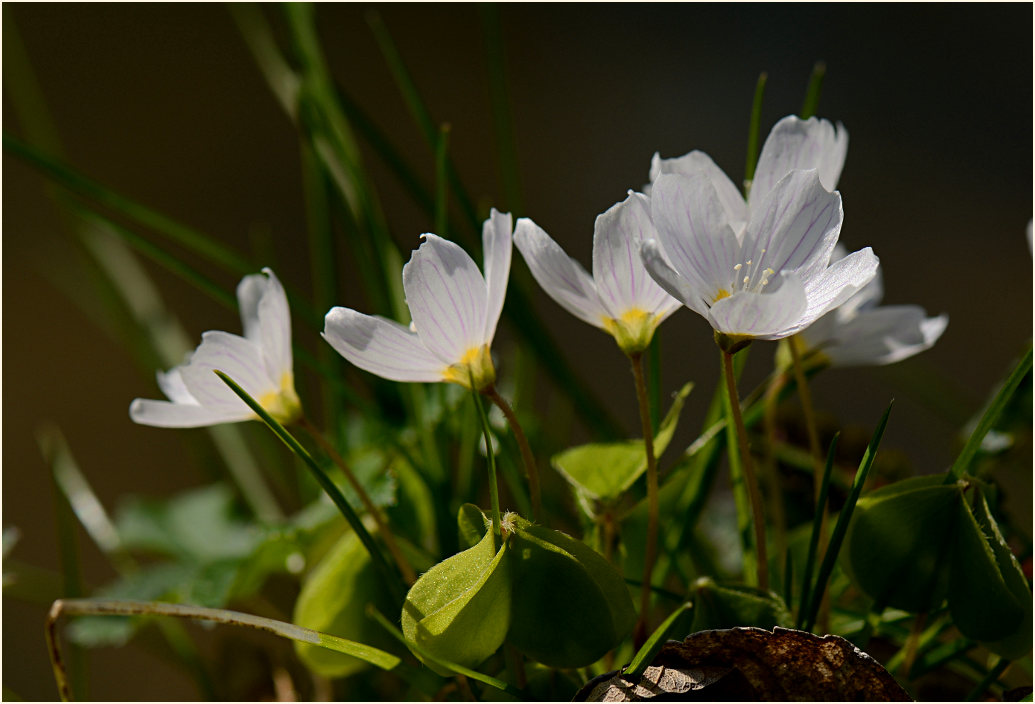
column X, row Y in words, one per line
column 778, row 516
column 382, row 526
column 391, row 579
column 749, row 472
column 102, row 607
column 989, row 680
column 651, row 550
column 494, row 490
column 526, row 452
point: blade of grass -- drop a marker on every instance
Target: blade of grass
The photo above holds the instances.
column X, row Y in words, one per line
column 650, row 648
column 989, row 418
column 815, row 89
column 817, row 522
column 989, row 680
column 754, row 126
column 843, row 519
column 83, row 607
column 441, row 182
column 506, row 151
column 445, row 664
column 392, row 580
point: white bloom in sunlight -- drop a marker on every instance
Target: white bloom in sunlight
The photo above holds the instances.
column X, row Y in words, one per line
column 792, row 145
column 771, row 282
column 454, row 308
column 620, row 297
column 260, row 362
column 861, row 332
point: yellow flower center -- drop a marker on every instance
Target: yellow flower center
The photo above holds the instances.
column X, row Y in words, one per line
column 283, row 404
column 474, row 367
column 633, row 330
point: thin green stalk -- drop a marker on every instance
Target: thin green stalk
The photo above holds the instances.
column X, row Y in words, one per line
column 71, row 572
column 654, row 379
column 441, row 182
column 749, row 472
column 103, row 607
column 808, row 108
column 494, row 495
column 526, row 452
column 375, row 513
column 989, row 418
column 843, row 519
column 989, row 680
column 817, row 524
column 777, row 515
column 392, row 580
column 651, row 548
column 754, row 127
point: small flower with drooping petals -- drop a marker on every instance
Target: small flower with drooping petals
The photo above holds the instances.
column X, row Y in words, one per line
column 771, row 282
column 861, row 332
column 454, row 308
column 260, row 362
column 792, row 145
column 620, row 297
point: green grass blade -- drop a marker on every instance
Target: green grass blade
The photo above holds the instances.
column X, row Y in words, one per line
column 646, row 653
column 442, row 181
column 391, row 579
column 741, row 499
column 754, row 126
column 506, row 151
column 815, row 89
column 989, row 418
column 817, row 522
column 843, row 520
column 445, row 664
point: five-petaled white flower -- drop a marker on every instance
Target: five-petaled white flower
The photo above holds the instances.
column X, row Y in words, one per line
column 454, row 309
column 260, row 362
column 620, row 297
column 792, row 145
column 861, row 332
column 769, row 282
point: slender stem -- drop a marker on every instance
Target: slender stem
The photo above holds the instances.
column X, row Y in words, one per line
column 749, row 472
column 526, row 452
column 817, row 458
column 494, row 490
column 375, row 513
column 772, row 473
column 651, row 550
column 989, row 680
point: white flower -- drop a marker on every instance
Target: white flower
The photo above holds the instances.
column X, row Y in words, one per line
column 454, row 308
column 620, row 297
column 860, row 332
column 260, row 362
column 792, row 145
column 771, row 282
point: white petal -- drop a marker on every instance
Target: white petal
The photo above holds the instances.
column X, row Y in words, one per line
column 621, row 280
column 796, row 144
column 238, row 358
column 496, row 245
column 766, row 316
column 563, row 278
column 380, row 346
column 267, row 319
column 838, row 283
column 171, row 384
column 163, row 414
column 447, row 298
column 669, row 279
column 885, row 335
column 797, row 226
column 697, row 162
column 249, row 293
column 694, row 232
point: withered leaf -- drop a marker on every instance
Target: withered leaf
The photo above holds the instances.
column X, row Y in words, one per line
column 739, row 664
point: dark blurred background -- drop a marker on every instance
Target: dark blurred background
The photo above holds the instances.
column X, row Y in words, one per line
column 165, row 104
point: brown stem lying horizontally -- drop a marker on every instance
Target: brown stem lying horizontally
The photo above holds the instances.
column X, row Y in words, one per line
column 535, row 493
column 375, row 513
column 749, row 472
column 651, row 550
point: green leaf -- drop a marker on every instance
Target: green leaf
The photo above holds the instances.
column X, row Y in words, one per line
column 718, row 606
column 753, row 129
column 569, row 605
column 646, row 654
column 808, row 107
column 472, row 524
column 459, row 610
column 989, row 598
column 333, row 600
column 898, row 545
column 605, row 471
